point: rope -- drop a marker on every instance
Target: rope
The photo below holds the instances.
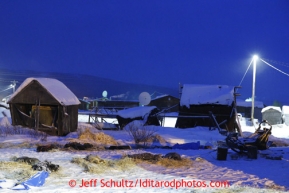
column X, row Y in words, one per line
column 277, row 62
column 246, row 72
column 274, row 67
column 7, row 88
column 281, row 63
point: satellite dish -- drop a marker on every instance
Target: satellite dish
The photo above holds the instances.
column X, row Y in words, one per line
column 144, row 98
column 104, row 94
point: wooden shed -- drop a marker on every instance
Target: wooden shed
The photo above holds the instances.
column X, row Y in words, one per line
column 144, row 113
column 272, row 114
column 201, row 104
column 45, row 104
column 166, row 103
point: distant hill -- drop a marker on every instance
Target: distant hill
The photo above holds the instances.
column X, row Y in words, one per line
column 85, row 85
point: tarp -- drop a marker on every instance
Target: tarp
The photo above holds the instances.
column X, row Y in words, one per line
column 36, row 180
column 193, row 145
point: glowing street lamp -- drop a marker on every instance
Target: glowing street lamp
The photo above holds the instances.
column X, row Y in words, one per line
column 255, row 58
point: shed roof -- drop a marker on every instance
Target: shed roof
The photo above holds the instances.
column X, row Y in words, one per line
column 195, row 94
column 133, row 112
column 271, row 108
column 163, row 96
column 285, row 109
column 56, row 88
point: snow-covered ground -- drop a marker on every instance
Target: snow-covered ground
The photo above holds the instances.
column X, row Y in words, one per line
column 242, row 174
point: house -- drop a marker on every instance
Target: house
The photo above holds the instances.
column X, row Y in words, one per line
column 272, row 114
column 201, row 104
column 45, row 104
column 245, row 109
column 166, row 103
column 143, row 113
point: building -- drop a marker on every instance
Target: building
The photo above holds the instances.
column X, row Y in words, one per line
column 245, row 109
column 201, row 104
column 45, row 104
column 272, row 114
column 166, row 103
column 146, row 114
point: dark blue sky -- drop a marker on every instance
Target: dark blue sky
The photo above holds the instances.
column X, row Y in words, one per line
column 159, row 42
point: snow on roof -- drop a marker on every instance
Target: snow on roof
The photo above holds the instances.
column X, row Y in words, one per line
column 85, row 101
column 56, row 88
column 135, row 111
column 285, row 109
column 243, row 103
column 160, row 96
column 193, row 94
column 271, row 107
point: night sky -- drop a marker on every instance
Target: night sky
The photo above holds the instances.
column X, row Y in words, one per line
column 154, row 42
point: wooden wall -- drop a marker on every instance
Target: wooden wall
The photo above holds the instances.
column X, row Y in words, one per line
column 221, row 113
column 23, row 105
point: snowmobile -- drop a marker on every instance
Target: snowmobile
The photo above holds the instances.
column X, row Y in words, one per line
column 259, row 139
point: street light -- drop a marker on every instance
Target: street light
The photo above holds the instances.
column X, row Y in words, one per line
column 255, row 58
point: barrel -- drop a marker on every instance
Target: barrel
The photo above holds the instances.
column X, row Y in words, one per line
column 252, row 152
column 222, row 153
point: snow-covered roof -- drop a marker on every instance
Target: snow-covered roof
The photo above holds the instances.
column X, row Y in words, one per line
column 160, row 96
column 271, row 107
column 133, row 112
column 56, row 88
column 285, row 109
column 243, row 103
column 194, row 94
column 85, row 101
column 163, row 96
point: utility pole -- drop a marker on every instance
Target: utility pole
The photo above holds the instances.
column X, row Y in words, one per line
column 14, row 85
column 255, row 58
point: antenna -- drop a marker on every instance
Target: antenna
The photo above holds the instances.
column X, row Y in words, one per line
column 104, row 94
column 144, row 98
column 14, row 84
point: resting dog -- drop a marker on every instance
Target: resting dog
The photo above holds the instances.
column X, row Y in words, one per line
column 29, row 160
column 37, row 164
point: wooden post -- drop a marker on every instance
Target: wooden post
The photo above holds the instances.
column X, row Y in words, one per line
column 222, row 153
column 237, row 121
column 37, row 114
column 252, row 152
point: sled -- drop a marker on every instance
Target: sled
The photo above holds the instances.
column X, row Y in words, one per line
column 259, row 139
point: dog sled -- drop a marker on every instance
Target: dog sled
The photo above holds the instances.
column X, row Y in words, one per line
column 259, row 139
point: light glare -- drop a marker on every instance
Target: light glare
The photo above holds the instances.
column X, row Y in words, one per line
column 255, row 57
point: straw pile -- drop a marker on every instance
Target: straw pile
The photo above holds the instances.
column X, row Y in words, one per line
column 24, row 144
column 19, row 171
column 157, row 159
column 171, row 163
column 94, row 164
column 96, row 138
